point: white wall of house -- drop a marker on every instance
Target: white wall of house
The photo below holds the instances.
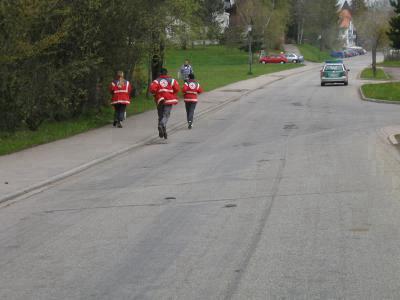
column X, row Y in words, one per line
column 349, row 36
column 223, row 19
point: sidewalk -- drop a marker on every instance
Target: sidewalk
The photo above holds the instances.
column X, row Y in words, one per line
column 393, row 72
column 37, row 167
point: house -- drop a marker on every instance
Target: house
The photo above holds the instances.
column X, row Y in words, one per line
column 346, row 25
column 234, row 17
column 224, row 17
column 229, row 5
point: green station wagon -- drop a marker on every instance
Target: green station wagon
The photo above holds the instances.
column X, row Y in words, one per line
column 334, row 72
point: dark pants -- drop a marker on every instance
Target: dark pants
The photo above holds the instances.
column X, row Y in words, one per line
column 164, row 111
column 119, row 114
column 190, row 107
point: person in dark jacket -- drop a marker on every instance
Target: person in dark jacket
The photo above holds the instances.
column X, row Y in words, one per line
column 186, row 70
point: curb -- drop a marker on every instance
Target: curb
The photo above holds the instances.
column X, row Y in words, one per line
column 364, row 98
column 140, row 143
column 73, row 171
column 387, row 133
column 391, row 133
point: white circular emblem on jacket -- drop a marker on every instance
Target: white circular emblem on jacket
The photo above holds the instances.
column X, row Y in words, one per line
column 192, row 85
column 163, row 83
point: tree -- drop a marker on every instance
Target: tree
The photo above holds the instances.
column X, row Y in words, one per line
column 275, row 22
column 373, row 26
column 394, row 32
column 299, row 17
column 268, row 18
column 208, row 10
column 358, row 9
column 314, row 21
column 56, row 54
column 322, row 23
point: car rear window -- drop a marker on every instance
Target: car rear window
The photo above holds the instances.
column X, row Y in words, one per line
column 333, row 68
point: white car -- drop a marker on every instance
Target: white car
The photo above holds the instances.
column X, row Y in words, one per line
column 294, row 58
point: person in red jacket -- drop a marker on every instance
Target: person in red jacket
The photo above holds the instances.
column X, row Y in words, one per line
column 165, row 90
column 191, row 89
column 120, row 90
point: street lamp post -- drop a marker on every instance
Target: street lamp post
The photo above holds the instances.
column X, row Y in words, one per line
column 320, row 46
column 249, row 37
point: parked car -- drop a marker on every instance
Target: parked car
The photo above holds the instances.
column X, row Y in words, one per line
column 359, row 50
column 355, row 52
column 350, row 52
column 294, row 58
column 338, row 54
column 273, row 59
column 334, row 72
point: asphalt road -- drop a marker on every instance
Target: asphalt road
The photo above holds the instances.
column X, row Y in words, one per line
column 287, row 193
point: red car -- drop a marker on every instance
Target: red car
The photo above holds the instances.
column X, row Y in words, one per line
column 273, row 59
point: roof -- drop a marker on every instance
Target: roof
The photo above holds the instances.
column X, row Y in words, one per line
column 345, row 22
column 345, row 16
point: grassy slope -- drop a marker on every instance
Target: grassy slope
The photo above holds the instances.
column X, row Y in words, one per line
column 383, row 91
column 380, row 74
column 218, row 66
column 214, row 67
column 313, row 54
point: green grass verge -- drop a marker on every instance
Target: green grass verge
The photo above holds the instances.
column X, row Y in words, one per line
column 52, row 131
column 313, row 54
column 214, row 67
column 368, row 74
column 382, row 91
column 393, row 64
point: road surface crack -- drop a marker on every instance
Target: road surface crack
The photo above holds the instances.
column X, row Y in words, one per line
column 255, row 239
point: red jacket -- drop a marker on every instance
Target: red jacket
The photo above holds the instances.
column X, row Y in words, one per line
column 121, row 94
column 190, row 90
column 165, row 88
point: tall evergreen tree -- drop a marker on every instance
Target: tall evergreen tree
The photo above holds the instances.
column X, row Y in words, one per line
column 394, row 31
